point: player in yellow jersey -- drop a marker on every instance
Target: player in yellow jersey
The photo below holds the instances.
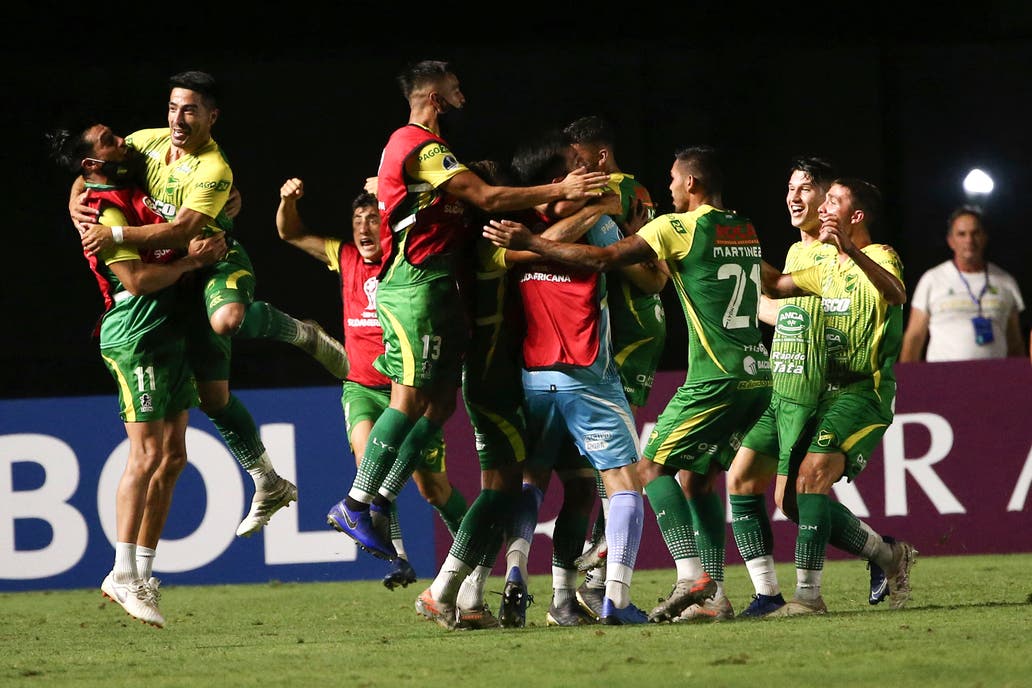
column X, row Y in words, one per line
column 862, row 294
column 190, row 181
column 142, row 343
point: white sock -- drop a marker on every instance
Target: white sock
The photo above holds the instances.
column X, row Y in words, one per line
column 445, row 587
column 125, row 563
column 263, row 473
column 144, row 562
column 517, row 555
column 619, row 593
column 808, row 584
column 764, row 577
column 471, row 591
column 689, row 568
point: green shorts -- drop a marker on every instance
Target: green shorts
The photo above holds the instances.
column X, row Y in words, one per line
column 153, row 378
column 851, row 423
column 367, row 403
column 705, row 422
column 494, row 404
column 231, row 280
column 424, row 327
column 785, row 427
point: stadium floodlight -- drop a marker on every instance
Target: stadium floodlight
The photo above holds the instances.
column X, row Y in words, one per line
column 977, row 183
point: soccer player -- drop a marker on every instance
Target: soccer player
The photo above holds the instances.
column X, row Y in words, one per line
column 142, row 344
column 542, row 160
column 366, row 391
column 189, row 179
column 637, row 316
column 714, row 256
column 798, row 363
column 493, row 394
column 862, row 296
column 423, row 190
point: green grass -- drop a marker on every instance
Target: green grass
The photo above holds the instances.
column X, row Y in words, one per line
column 969, row 624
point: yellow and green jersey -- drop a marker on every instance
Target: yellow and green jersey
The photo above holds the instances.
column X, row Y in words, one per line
column 714, row 258
column 797, row 352
column 862, row 331
column 638, row 319
column 200, row 181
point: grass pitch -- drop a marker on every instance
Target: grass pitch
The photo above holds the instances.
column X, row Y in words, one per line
column 969, row 623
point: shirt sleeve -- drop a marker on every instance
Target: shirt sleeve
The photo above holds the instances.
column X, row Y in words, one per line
column 113, row 216
column 670, row 236
column 435, row 164
column 332, row 247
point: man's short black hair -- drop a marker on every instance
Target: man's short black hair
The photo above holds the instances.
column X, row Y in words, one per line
column 199, row 82
column 421, row 73
column 704, row 164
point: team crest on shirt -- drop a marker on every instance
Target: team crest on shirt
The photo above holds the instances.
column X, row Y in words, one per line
column 824, row 438
column 370, row 293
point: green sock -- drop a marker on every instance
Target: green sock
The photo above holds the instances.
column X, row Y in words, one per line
column 673, row 516
column 452, row 511
column 395, row 522
column 239, row 432
column 750, row 524
column 386, row 436
column 410, row 455
column 847, row 532
column 265, row 321
column 598, row 528
column 568, row 537
column 482, row 526
column 711, row 534
column 814, row 529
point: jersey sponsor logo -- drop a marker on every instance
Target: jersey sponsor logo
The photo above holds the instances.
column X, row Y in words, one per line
column 220, row 185
column 146, row 403
column 363, row 322
column 793, row 321
column 752, row 366
column 455, row 208
column 836, row 306
column 430, row 153
column 834, row 340
column 450, row 162
column 597, row 441
column 166, row 210
column 544, row 277
column 735, row 234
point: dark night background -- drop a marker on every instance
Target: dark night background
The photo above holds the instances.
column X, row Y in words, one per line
column 910, row 99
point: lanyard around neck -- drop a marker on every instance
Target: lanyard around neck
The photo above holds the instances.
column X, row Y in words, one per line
column 985, row 287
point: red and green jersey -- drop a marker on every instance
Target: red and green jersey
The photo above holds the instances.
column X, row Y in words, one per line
column 127, row 317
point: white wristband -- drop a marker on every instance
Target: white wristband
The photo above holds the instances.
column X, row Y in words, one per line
column 118, row 234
